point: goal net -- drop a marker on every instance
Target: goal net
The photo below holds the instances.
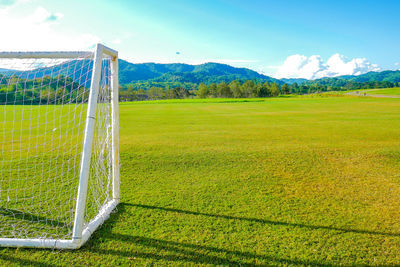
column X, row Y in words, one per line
column 59, row 174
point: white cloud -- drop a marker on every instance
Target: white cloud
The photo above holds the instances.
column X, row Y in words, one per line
column 37, row 29
column 6, row 5
column 313, row 67
column 41, row 15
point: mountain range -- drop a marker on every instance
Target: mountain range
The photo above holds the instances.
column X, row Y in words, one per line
column 380, row 76
column 209, row 73
column 177, row 72
column 216, row 72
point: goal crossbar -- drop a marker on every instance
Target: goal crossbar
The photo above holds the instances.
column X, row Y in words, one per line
column 60, row 54
column 82, row 230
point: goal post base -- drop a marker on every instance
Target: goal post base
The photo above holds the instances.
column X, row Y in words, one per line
column 103, row 215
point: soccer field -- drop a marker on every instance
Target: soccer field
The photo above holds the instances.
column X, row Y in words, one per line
column 283, row 181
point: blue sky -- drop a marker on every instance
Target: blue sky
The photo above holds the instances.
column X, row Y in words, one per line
column 279, row 38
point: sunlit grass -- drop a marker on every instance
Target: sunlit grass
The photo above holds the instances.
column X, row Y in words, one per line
column 282, row 181
column 386, row 91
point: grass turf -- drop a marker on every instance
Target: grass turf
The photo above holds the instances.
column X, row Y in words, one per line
column 383, row 91
column 284, row 181
column 386, row 91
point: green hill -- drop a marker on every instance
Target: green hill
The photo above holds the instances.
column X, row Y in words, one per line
column 382, row 76
column 176, row 72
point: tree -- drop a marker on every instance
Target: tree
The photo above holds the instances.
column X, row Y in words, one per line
column 294, row 88
column 274, row 89
column 303, row 89
column 203, row 91
column 156, row 93
column 213, row 90
column 236, row 89
column 223, row 90
column 180, row 92
column 141, row 95
column 264, row 91
column 248, row 89
column 285, row 89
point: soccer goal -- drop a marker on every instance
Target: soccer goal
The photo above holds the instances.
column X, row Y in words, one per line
column 59, row 163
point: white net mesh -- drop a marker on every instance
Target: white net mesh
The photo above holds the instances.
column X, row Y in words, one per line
column 43, row 107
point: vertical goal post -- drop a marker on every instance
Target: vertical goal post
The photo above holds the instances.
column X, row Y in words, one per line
column 45, row 96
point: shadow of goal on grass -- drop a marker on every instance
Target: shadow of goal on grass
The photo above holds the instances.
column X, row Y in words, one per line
column 24, row 262
column 130, row 246
column 264, row 221
column 141, row 247
column 196, row 254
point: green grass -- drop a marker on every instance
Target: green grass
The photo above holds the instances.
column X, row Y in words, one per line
column 386, row 91
column 383, row 92
column 283, row 181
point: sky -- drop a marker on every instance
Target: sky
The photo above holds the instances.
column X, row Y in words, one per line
column 284, row 39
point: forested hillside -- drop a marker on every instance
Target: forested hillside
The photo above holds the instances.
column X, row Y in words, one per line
column 146, row 81
column 185, row 73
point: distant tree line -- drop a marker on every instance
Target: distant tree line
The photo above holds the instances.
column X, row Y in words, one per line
column 245, row 89
column 327, row 85
column 46, row 90
column 234, row 89
column 62, row 89
column 155, row 93
column 337, row 84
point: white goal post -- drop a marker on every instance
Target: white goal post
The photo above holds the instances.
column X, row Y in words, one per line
column 59, row 146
